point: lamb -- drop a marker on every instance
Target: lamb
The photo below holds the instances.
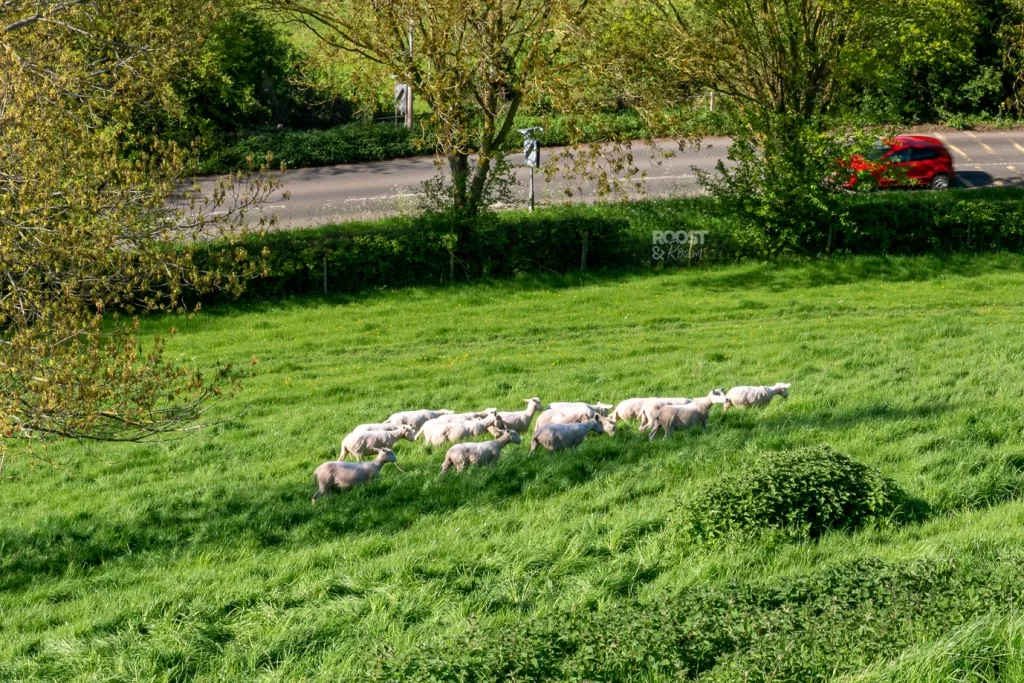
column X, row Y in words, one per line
column 556, row 437
column 376, row 427
column 566, row 415
column 459, row 417
column 338, row 476
column 437, row 433
column 628, row 409
column 685, row 415
column 743, row 397
column 360, row 443
column 599, row 408
column 415, row 418
column 651, row 406
column 463, row 455
column 520, row 420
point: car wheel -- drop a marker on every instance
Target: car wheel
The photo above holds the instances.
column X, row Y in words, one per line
column 940, row 181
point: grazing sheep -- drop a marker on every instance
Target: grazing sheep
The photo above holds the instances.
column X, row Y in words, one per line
column 565, row 416
column 743, row 397
column 376, row 427
column 599, row 408
column 463, row 455
column 628, row 409
column 338, row 476
column 359, row 444
column 415, row 418
column 651, row 406
column 556, row 437
column 520, row 420
column 685, row 415
column 459, row 417
column 437, row 433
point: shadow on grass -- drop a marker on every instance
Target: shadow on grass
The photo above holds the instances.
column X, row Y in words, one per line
column 282, row 515
column 775, row 277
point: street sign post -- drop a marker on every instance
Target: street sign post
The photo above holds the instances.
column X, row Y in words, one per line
column 531, row 154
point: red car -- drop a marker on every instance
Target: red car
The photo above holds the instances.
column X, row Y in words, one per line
column 907, row 161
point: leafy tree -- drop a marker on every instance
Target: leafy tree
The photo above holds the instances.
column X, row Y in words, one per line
column 475, row 64
column 86, row 235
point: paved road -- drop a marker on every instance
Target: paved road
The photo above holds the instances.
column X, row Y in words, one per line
column 375, row 189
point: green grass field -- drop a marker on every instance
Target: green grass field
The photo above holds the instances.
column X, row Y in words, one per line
column 203, row 559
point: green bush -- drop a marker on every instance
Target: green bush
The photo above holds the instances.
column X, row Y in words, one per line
column 805, row 492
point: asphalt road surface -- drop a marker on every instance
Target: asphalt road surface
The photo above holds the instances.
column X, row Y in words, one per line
column 375, row 189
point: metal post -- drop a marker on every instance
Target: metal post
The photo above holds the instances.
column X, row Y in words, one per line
column 408, row 87
column 583, row 258
column 531, row 189
column 325, row 276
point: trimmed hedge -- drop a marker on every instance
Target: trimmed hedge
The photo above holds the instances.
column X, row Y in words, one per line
column 433, row 249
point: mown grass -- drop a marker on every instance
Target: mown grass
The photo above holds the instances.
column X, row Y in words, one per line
column 203, row 559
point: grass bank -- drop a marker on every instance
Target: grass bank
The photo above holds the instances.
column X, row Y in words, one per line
column 203, row 559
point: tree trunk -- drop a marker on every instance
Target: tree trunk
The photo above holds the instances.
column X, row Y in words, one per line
column 458, row 164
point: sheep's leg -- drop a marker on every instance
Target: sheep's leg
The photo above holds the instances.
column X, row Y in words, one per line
column 654, row 431
column 669, row 428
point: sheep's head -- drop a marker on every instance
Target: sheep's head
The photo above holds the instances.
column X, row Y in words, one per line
column 606, row 425
column 602, row 408
column 782, row 389
column 718, row 396
column 407, row 432
column 513, row 436
column 534, row 403
column 385, row 455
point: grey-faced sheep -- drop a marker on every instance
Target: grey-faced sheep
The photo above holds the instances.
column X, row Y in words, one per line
column 463, row 455
column 437, row 433
column 520, row 420
column 651, row 406
column 686, row 415
column 743, row 397
column 599, row 408
column 415, row 418
column 339, row 476
column 359, row 444
column 556, row 437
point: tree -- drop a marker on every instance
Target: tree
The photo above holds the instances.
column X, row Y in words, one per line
column 475, row 64
column 86, row 236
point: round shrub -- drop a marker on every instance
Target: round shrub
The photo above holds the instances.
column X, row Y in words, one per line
column 807, row 492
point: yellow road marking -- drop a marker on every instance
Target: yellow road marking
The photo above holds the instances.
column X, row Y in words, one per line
column 986, row 147
column 961, row 152
column 1017, row 145
column 997, row 183
column 1010, row 168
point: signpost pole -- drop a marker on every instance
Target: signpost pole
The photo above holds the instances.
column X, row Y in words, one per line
column 531, row 189
column 531, row 155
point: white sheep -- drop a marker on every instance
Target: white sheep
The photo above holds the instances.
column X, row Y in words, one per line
column 743, row 397
column 651, row 406
column 599, row 408
column 415, row 418
column 566, row 416
column 376, row 427
column 463, row 455
column 685, row 415
column 628, row 409
column 437, row 433
column 520, row 420
column 556, row 437
column 359, row 444
column 338, row 476
column 459, row 417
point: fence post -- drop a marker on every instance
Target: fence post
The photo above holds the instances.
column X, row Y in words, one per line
column 451, row 266
column 325, row 275
column 583, row 258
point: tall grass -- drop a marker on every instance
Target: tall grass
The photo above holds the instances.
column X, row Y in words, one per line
column 203, row 559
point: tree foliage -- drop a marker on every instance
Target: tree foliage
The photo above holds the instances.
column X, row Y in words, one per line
column 474, row 64
column 86, row 236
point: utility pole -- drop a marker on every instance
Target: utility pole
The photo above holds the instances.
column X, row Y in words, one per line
column 408, row 87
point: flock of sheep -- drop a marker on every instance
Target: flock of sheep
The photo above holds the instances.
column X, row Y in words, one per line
column 559, row 426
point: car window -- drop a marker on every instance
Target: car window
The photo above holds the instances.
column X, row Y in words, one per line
column 877, row 151
column 899, row 156
column 923, row 154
